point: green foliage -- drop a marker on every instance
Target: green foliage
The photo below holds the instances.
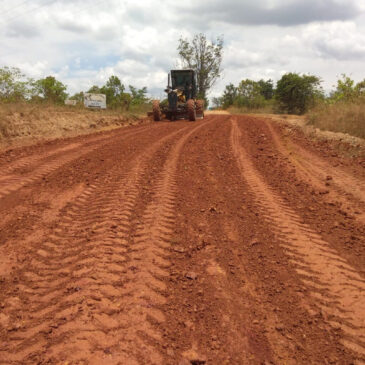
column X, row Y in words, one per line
column 217, row 102
column 360, row 88
column 266, row 88
column 249, row 95
column 229, row 96
column 205, row 58
column 94, row 90
column 295, row 93
column 50, row 90
column 138, row 95
column 79, row 97
column 13, row 88
column 346, row 90
column 116, row 97
column 113, row 89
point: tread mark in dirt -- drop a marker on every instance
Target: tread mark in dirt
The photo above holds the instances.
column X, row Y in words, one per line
column 56, row 159
column 150, row 252
column 319, row 169
column 23, row 162
column 76, row 286
column 339, row 290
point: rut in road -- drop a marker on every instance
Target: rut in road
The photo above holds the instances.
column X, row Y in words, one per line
column 89, row 288
column 149, row 257
column 318, row 170
column 50, row 162
column 87, row 249
column 338, row 289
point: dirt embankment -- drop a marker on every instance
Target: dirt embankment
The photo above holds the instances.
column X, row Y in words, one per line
column 225, row 241
column 340, row 141
column 23, row 124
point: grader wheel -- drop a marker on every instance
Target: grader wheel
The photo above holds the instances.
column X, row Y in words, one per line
column 200, row 109
column 191, row 110
column 156, row 110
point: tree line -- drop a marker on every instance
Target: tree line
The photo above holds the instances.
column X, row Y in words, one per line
column 16, row 87
column 294, row 93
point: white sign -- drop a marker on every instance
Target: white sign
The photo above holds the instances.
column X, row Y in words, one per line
column 70, row 102
column 95, row 101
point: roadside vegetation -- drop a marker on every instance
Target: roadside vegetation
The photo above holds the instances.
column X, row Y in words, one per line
column 343, row 110
column 36, row 108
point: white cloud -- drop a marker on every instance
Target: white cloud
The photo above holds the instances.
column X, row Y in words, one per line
column 339, row 40
column 84, row 43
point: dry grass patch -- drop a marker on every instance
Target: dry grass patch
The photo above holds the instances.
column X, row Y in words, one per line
column 345, row 117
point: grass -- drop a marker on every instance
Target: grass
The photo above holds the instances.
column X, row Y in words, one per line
column 37, row 121
column 345, row 117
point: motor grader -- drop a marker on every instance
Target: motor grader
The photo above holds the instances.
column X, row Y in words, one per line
column 181, row 100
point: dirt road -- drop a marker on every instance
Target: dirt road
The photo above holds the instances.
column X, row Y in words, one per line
column 226, row 241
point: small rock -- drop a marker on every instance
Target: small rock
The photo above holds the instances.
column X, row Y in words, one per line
column 194, row 358
column 179, row 249
column 254, row 242
column 328, row 178
column 170, row 352
column 188, row 324
column 191, row 275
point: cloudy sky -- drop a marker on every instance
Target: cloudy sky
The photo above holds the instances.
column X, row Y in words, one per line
column 84, row 42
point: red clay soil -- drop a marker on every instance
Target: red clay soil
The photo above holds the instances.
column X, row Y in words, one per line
column 225, row 241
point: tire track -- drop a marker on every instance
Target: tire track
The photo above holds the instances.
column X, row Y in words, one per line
column 74, row 282
column 150, row 262
column 338, row 289
column 29, row 160
column 53, row 161
column 317, row 170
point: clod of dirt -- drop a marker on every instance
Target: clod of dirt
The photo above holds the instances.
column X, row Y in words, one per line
column 170, row 352
column 254, row 242
column 191, row 275
column 179, row 249
column 193, row 358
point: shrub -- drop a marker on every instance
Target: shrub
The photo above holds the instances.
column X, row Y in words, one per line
column 295, row 93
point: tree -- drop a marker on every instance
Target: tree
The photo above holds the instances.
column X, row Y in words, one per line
column 204, row 58
column 51, row 90
column 138, row 95
column 94, row 90
column 295, row 94
column 79, row 97
column 229, row 96
column 12, row 85
column 345, row 89
column 249, row 95
column 113, row 89
column 360, row 88
column 266, row 89
column 217, row 102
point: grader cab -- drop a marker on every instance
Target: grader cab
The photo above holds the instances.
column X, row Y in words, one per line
column 181, row 100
